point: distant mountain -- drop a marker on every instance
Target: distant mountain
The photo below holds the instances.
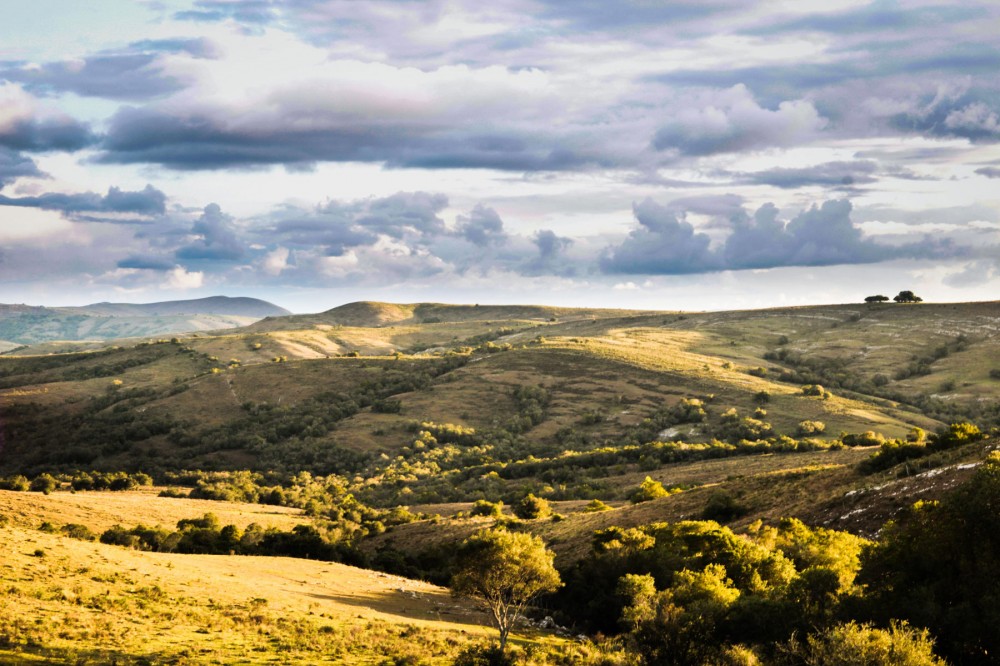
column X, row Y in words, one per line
column 214, row 305
column 28, row 325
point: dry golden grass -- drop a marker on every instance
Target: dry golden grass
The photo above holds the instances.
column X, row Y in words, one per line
column 83, row 602
column 102, row 510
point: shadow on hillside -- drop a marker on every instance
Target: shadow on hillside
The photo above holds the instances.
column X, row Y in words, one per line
column 412, row 605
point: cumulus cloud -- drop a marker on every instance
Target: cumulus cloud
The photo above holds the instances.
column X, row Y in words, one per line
column 661, row 245
column 823, row 235
column 215, row 238
column 482, row 226
column 731, row 121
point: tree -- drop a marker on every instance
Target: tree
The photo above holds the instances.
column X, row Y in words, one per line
column 907, row 297
column 504, row 571
column 877, row 299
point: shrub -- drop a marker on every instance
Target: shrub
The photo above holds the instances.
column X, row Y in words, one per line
column 531, row 507
column 18, row 483
column 807, row 428
column 487, row 508
column 854, row 643
column 722, row 507
column 44, row 483
column 648, row 490
column 596, row 505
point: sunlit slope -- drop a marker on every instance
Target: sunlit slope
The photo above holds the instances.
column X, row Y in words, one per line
column 890, row 368
column 84, row 602
column 99, row 511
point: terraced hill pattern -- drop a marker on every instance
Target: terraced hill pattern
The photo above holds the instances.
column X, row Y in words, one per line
column 379, row 425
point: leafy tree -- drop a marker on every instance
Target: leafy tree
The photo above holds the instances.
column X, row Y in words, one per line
column 907, row 296
column 531, row 507
column 504, row 571
column 876, row 299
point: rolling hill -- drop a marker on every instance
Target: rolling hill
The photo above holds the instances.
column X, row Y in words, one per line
column 826, row 414
column 22, row 325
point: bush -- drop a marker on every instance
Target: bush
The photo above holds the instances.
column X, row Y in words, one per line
column 852, row 643
column 485, row 655
column 18, row 483
column 596, row 505
column 486, row 508
column 44, row 483
column 807, row 428
column 648, row 490
column 531, row 507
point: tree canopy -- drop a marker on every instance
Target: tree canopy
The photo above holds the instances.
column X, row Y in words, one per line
column 504, row 571
column 907, row 296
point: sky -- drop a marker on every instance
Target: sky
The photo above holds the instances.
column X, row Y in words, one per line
column 681, row 154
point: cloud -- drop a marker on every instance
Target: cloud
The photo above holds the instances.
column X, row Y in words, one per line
column 146, row 262
column 661, row 245
column 989, row 172
column 14, row 165
column 828, row 174
column 732, row 121
column 243, row 11
column 134, row 73
column 969, row 114
column 149, row 201
column 26, row 125
column 823, row 235
column 482, row 227
column 215, row 238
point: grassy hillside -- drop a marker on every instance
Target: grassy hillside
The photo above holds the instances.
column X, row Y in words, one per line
column 25, row 325
column 345, row 418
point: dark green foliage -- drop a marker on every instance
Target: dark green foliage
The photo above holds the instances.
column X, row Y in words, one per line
column 723, row 507
column 44, row 483
column 18, row 482
column 876, row 299
column 907, row 296
column 938, row 566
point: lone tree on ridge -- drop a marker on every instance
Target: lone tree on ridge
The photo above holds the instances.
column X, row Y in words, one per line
column 907, row 297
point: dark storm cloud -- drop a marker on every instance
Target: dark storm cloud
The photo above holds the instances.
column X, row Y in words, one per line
column 14, row 165
column 133, row 73
column 148, row 201
column 45, row 134
column 216, row 238
column 482, row 227
column 829, row 174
